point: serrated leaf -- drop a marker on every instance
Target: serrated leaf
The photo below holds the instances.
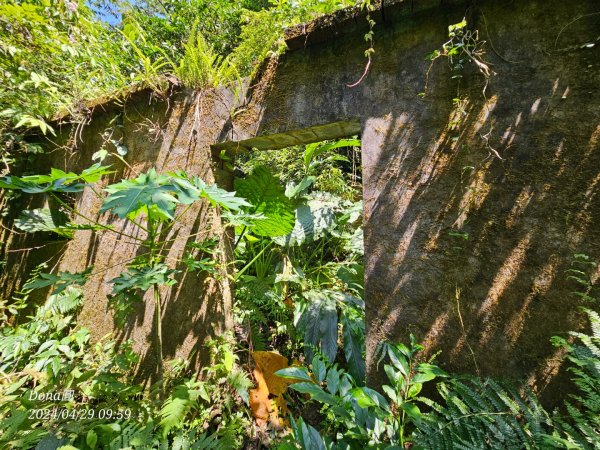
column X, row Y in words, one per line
column 263, row 191
column 56, row 181
column 150, row 192
column 193, row 188
column 178, row 405
column 127, row 284
column 62, row 280
column 43, row 219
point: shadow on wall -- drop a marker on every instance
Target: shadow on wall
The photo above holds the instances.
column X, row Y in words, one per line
column 168, row 137
column 473, row 213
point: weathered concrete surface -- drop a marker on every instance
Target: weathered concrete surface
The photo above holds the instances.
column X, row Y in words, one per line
column 168, row 134
column 465, row 249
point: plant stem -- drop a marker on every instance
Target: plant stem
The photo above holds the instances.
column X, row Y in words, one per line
column 240, row 237
column 251, row 262
column 77, row 213
column 159, row 351
column 157, row 309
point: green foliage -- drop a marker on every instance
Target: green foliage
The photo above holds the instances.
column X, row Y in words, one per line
column 463, row 46
column 60, row 281
column 316, row 318
column 56, row 181
column 151, row 198
column 318, row 323
column 330, row 167
column 312, row 151
column 49, row 354
column 301, row 291
column 201, row 67
column 482, row 414
column 194, row 260
column 580, row 427
column 268, row 198
column 193, row 188
column 126, row 287
column 313, row 219
column 53, row 54
column 157, row 195
column 149, row 193
column 50, row 220
column 179, row 403
column 360, row 416
column 262, row 32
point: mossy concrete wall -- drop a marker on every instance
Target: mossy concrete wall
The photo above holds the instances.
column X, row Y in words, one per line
column 477, row 194
column 169, row 133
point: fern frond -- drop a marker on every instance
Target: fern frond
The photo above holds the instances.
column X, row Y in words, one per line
column 581, row 427
column 482, row 414
column 65, row 302
column 178, row 405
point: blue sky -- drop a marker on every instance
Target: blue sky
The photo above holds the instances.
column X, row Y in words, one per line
column 107, row 16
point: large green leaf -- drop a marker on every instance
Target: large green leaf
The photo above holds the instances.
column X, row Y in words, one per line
column 268, row 198
column 317, row 320
column 142, row 278
column 312, row 221
column 353, row 337
column 315, row 391
column 193, row 188
column 61, row 280
column 56, row 181
column 127, row 285
column 295, row 373
column 316, row 149
column 44, row 219
column 228, row 200
column 149, row 192
column 307, row 437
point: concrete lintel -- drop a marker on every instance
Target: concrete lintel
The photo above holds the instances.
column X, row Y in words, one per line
column 302, row 136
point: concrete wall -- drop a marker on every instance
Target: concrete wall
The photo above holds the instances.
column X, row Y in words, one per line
column 169, row 133
column 471, row 212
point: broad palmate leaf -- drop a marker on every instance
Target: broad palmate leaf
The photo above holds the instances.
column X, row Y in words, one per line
column 150, row 193
column 56, row 181
column 193, row 188
column 61, row 281
column 160, row 194
column 127, row 285
column 42, row 219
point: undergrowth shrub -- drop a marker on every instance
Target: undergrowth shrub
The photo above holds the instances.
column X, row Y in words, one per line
column 57, row 389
